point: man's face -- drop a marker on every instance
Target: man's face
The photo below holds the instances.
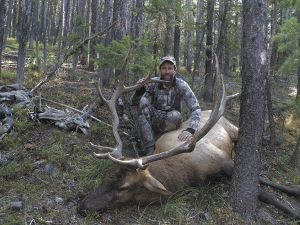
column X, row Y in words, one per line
column 167, row 71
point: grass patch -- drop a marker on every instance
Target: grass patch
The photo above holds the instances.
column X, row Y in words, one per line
column 20, row 116
column 92, row 174
column 7, row 76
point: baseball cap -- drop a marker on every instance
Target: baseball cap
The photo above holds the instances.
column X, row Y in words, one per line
column 167, row 58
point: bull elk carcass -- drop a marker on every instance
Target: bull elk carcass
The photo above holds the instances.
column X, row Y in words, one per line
column 174, row 166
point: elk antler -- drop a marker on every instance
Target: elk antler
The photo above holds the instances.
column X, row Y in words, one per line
column 219, row 108
column 116, row 153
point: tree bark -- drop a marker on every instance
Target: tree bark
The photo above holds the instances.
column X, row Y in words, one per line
column 272, row 128
column 298, row 71
column 94, row 22
column 2, row 21
column 104, row 73
column 8, row 22
column 208, row 83
column 15, row 15
column 23, row 37
column 139, row 21
column 190, row 34
column 222, row 30
column 199, row 40
column 177, row 40
column 243, row 196
column 44, row 30
column 60, row 30
column 119, row 13
column 168, row 33
column 66, row 14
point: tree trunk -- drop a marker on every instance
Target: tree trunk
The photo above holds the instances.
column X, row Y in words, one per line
column 60, row 29
column 190, row 34
column 15, row 15
column 208, row 83
column 243, row 195
column 168, row 33
column 2, row 21
column 24, row 28
column 119, row 13
column 298, row 72
column 139, row 21
column 8, row 22
column 272, row 128
column 177, row 40
column 104, row 73
column 66, row 19
column 44, row 29
column 222, row 30
column 35, row 32
column 94, row 22
column 199, row 40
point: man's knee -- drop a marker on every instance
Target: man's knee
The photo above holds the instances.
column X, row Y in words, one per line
column 173, row 121
column 143, row 107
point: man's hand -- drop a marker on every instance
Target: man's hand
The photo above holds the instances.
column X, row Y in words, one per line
column 141, row 81
column 185, row 136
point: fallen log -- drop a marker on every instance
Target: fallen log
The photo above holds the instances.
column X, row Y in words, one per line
column 288, row 190
column 267, row 198
column 60, row 104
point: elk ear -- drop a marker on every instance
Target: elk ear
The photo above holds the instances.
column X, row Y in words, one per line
column 154, row 185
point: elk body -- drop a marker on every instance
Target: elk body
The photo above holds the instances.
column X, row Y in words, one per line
column 211, row 157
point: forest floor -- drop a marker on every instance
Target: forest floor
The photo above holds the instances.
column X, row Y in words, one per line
column 45, row 171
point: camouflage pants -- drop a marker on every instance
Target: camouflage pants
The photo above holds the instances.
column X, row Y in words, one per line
column 153, row 122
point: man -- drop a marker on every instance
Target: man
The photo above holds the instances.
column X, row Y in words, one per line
column 163, row 113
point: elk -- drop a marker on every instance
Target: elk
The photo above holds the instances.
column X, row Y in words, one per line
column 174, row 166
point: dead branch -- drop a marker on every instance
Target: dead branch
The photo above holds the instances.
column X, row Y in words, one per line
column 267, row 198
column 283, row 188
column 52, row 73
column 60, row 104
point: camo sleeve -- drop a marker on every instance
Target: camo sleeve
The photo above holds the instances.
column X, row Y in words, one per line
column 192, row 104
column 142, row 92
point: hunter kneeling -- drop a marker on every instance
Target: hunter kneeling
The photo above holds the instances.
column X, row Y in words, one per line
column 163, row 112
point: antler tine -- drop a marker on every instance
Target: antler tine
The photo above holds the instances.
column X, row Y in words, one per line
column 117, row 151
column 218, row 111
column 147, row 80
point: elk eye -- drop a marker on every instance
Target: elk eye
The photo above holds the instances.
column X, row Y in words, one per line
column 124, row 188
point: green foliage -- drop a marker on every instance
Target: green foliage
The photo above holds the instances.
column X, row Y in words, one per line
column 75, row 38
column 140, row 62
column 288, row 39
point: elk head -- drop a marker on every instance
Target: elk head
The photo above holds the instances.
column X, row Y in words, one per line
column 129, row 179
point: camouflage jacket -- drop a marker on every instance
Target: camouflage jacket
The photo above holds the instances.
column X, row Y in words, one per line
column 168, row 100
